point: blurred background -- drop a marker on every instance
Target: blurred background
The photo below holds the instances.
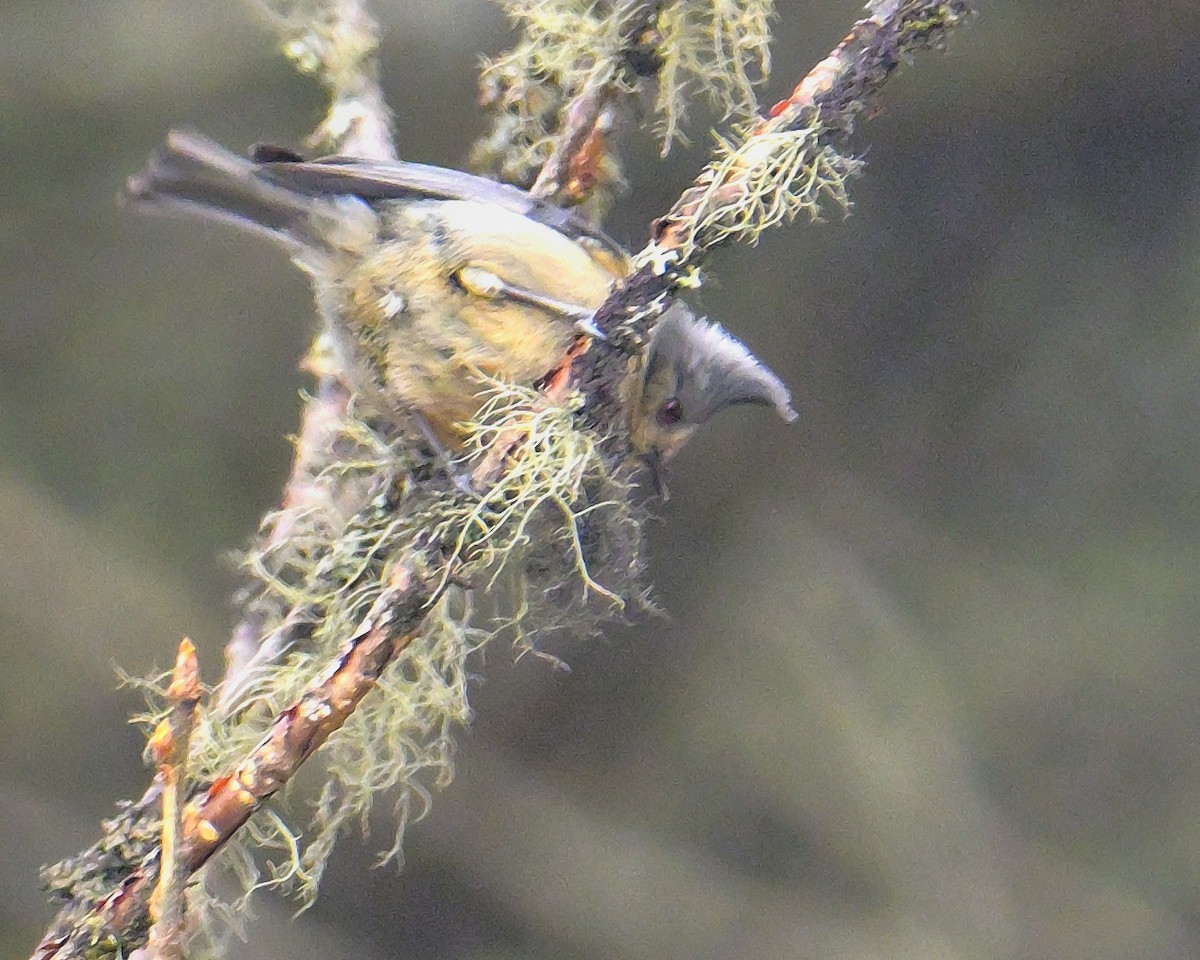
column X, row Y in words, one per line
column 929, row 686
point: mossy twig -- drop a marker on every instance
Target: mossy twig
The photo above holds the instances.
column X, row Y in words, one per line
column 215, row 815
column 337, row 41
column 169, row 745
column 784, row 162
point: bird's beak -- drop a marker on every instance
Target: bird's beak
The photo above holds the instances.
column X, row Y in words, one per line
column 653, row 459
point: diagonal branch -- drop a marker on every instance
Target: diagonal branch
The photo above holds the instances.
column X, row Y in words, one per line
column 576, row 165
column 751, row 186
column 785, row 162
column 214, row 816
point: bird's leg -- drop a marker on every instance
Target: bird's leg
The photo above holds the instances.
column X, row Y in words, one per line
column 445, row 461
column 485, row 284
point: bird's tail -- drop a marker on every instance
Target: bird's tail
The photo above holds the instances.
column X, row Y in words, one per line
column 190, row 174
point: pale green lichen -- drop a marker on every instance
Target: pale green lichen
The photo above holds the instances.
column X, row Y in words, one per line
column 545, row 484
column 778, row 176
column 555, row 544
column 719, row 48
column 712, row 50
column 559, row 535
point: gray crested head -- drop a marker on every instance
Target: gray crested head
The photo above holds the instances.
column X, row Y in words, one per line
column 712, row 369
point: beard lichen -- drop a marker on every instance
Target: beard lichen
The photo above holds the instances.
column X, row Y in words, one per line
column 720, row 48
column 779, row 176
column 556, row 478
column 554, row 545
column 715, row 49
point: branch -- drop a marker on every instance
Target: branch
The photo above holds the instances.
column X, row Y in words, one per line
column 169, row 745
column 784, row 162
column 321, row 423
column 554, row 97
column 337, row 41
column 577, row 163
column 213, row 817
column 787, row 160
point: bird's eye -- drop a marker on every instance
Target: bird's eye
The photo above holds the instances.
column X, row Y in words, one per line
column 670, row 413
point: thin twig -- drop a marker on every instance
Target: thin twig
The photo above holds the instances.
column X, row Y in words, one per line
column 575, row 166
column 169, row 745
column 577, row 147
column 556, row 95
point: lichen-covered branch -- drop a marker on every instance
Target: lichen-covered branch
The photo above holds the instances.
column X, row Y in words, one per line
column 782, row 163
column 555, row 96
column 216, row 814
column 392, row 622
column 786, row 162
column 579, row 160
column 351, row 581
column 408, row 560
column 337, row 41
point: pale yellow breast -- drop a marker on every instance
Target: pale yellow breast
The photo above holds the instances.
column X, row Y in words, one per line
column 428, row 338
column 524, row 252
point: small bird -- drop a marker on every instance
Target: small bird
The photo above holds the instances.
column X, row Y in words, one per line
column 437, row 280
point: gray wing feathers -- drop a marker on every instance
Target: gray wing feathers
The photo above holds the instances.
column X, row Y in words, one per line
column 193, row 175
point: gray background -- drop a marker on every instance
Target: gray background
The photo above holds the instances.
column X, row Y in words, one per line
column 929, row 689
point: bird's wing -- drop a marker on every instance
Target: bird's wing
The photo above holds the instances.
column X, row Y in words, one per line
column 374, row 180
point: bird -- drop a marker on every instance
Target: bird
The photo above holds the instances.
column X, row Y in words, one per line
column 438, row 281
